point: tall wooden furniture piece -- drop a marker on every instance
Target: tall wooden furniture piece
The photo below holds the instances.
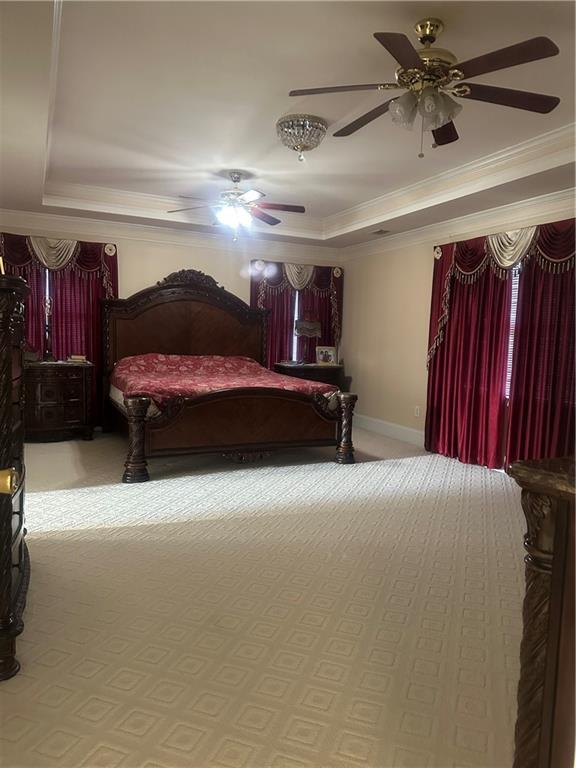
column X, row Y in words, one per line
column 58, row 400
column 544, row 735
column 14, row 562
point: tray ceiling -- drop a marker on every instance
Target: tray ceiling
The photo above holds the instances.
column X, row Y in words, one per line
column 148, row 101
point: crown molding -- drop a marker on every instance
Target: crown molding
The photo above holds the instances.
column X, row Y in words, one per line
column 102, row 230
column 537, row 210
column 137, row 204
column 542, row 153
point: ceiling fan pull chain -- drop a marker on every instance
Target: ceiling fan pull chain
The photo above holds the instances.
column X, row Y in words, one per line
column 421, row 153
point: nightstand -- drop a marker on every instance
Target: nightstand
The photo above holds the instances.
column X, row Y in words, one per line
column 58, row 400
column 329, row 374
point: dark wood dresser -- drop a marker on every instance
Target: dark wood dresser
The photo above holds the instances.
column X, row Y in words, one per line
column 58, row 400
column 329, row 374
column 14, row 562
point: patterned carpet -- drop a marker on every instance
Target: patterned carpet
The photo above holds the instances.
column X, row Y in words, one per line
column 303, row 616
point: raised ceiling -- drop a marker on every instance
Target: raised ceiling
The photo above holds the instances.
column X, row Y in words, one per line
column 143, row 102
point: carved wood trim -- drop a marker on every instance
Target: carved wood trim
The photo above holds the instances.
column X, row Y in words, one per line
column 535, row 615
column 175, row 405
column 136, row 466
column 186, row 285
column 345, row 450
column 12, row 293
column 547, row 500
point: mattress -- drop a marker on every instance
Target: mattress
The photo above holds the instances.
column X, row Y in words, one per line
column 162, row 377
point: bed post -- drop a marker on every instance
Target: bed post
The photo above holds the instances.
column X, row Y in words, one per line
column 136, row 465
column 345, row 449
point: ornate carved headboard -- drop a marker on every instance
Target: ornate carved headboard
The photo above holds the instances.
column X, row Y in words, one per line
column 186, row 313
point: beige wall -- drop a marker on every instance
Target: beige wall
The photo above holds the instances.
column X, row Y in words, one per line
column 142, row 263
column 386, row 313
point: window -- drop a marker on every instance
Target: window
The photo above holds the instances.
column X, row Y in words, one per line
column 294, row 337
column 512, row 332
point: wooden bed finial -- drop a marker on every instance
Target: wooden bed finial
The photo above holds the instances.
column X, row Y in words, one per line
column 190, row 277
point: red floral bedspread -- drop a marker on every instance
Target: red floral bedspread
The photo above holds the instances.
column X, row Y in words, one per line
column 161, row 377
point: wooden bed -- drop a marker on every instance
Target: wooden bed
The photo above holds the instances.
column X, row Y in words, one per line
column 188, row 313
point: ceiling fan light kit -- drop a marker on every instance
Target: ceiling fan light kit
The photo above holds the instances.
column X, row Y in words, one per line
column 237, row 209
column 437, row 108
column 301, row 133
column 431, row 76
column 234, row 216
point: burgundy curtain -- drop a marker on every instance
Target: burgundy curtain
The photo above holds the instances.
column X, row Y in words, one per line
column 321, row 300
column 270, row 290
column 542, row 388
column 19, row 261
column 467, row 371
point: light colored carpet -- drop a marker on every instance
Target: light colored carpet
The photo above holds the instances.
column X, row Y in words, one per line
column 272, row 616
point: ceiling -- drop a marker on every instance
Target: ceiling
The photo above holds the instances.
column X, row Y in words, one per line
column 114, row 109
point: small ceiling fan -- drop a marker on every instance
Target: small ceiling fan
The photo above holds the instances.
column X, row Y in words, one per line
column 432, row 75
column 236, row 208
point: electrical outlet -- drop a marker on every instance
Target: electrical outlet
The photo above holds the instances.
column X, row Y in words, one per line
column 417, row 411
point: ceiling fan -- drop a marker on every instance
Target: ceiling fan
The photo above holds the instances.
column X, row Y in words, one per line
column 236, row 208
column 432, row 75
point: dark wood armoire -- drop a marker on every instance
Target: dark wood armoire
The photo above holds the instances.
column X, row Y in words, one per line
column 14, row 561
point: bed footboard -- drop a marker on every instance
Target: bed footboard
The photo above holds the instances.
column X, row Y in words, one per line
column 246, row 422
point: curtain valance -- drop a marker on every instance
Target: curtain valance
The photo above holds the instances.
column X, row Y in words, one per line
column 281, row 276
column 555, row 246
column 299, row 275
column 551, row 245
column 52, row 254
column 502, row 252
column 57, row 255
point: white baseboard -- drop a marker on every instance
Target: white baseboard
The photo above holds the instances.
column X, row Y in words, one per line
column 389, row 429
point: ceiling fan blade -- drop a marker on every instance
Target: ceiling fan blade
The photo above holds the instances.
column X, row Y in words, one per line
column 251, row 196
column 399, row 46
column 258, row 214
column 363, row 120
column 344, row 88
column 193, row 208
column 282, row 207
column 508, row 97
column 446, row 134
column 521, row 53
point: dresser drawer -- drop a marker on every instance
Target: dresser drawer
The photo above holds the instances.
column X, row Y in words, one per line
column 48, row 416
column 73, row 390
column 73, row 414
column 49, row 392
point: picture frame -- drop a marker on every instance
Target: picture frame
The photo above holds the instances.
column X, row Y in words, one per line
column 326, row 356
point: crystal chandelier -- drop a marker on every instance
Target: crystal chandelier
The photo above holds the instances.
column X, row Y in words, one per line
column 301, row 133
